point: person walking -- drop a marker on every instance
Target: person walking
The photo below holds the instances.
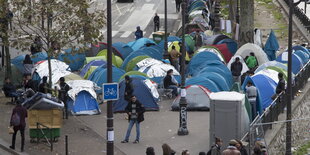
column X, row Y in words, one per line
column 251, row 62
column 63, row 93
column 170, row 84
column 18, row 123
column 28, row 65
column 174, row 55
column 231, row 149
column 216, row 149
column 44, row 86
column 251, row 92
column 178, row 5
column 128, row 88
column 236, row 68
column 241, row 147
column 156, row 22
column 138, row 33
column 135, row 111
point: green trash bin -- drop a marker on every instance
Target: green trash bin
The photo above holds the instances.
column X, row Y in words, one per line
column 159, row 36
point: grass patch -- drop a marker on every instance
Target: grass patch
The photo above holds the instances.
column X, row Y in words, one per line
column 303, row 149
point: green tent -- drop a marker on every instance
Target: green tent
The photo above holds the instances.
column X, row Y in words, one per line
column 190, row 42
column 89, row 59
column 119, row 61
column 90, row 70
column 280, row 70
column 133, row 62
column 133, row 73
column 72, row 76
column 105, row 54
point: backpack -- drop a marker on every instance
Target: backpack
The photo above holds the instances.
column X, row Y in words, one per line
column 15, row 120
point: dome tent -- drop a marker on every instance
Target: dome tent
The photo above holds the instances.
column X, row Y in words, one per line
column 271, row 63
column 296, row 61
column 73, row 58
column 198, row 60
column 18, row 61
column 140, row 43
column 133, row 62
column 95, row 49
column 123, row 48
column 197, row 98
column 203, row 81
column 132, row 74
column 246, row 49
column 244, row 66
column 143, row 93
column 86, row 68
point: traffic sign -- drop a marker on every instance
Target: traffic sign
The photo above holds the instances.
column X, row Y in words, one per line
column 110, row 91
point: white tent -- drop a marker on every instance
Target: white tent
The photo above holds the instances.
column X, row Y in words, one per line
column 245, row 68
column 246, row 49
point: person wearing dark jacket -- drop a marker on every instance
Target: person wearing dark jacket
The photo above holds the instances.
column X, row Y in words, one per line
column 9, row 89
column 28, row 65
column 63, row 94
column 21, row 112
column 43, row 87
column 236, row 68
column 281, row 84
column 156, row 22
column 241, row 148
column 135, row 111
column 169, row 83
column 139, row 33
column 216, row 149
column 128, row 88
column 29, row 83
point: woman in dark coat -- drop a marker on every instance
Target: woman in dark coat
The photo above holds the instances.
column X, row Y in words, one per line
column 135, row 111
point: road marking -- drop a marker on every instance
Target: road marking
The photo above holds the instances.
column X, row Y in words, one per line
column 126, row 34
column 147, row 7
column 118, row 9
column 138, row 18
column 114, row 33
column 169, row 16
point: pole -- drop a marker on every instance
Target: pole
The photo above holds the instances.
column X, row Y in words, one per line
column 66, row 141
column 305, row 7
column 166, row 34
column 110, row 130
column 237, row 12
column 289, row 83
column 183, row 114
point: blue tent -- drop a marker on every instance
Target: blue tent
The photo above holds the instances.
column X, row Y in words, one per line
column 74, row 59
column 297, row 47
column 123, row 48
column 203, row 81
column 84, row 104
column 157, row 47
column 198, row 4
column 198, row 60
column 218, row 79
column 169, row 39
column 265, row 89
column 271, row 46
column 142, row 42
column 92, row 63
column 296, row 61
column 271, row 63
column 18, row 61
column 141, row 91
column 231, row 44
column 302, row 55
column 99, row 75
column 151, row 52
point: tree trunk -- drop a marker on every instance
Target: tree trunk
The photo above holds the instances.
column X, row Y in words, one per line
column 232, row 10
column 5, row 37
column 246, row 34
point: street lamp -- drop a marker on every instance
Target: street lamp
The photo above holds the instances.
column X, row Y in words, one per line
column 289, row 83
column 166, row 54
column 237, row 12
column 183, row 113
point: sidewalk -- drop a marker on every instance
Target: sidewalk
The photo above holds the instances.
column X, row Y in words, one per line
column 82, row 140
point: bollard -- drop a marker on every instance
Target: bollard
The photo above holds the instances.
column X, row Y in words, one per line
column 66, row 143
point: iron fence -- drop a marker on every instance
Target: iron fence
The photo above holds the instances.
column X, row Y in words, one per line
column 300, row 15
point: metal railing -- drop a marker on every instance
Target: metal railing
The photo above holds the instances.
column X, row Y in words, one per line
column 300, row 15
column 39, row 130
column 271, row 113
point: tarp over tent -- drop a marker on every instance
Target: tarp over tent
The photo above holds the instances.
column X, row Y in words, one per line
column 246, row 49
column 59, row 69
column 82, row 98
column 245, row 68
column 142, row 91
column 73, row 58
column 265, row 89
column 197, row 98
column 296, row 61
column 271, row 46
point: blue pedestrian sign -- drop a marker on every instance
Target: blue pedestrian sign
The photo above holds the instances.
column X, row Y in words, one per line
column 110, row 91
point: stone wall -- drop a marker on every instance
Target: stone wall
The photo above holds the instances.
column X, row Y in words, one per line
column 300, row 128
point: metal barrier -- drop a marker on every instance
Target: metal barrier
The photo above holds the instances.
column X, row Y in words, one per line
column 40, row 128
column 301, row 16
column 271, row 113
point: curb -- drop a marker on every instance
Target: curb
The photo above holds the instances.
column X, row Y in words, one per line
column 5, row 146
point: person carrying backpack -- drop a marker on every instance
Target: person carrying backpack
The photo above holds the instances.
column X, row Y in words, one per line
column 18, row 123
column 216, row 149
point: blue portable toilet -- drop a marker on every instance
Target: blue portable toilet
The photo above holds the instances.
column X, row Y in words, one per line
column 84, row 104
column 141, row 91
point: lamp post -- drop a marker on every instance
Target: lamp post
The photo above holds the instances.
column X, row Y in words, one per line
column 289, row 84
column 183, row 113
column 166, row 54
column 237, row 12
column 110, row 130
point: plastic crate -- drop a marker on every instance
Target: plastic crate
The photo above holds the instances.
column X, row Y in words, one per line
column 50, row 118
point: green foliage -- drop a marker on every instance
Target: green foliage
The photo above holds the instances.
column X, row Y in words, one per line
column 303, row 149
column 74, row 24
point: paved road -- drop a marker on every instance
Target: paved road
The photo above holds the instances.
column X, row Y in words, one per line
column 4, row 152
column 158, row 128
